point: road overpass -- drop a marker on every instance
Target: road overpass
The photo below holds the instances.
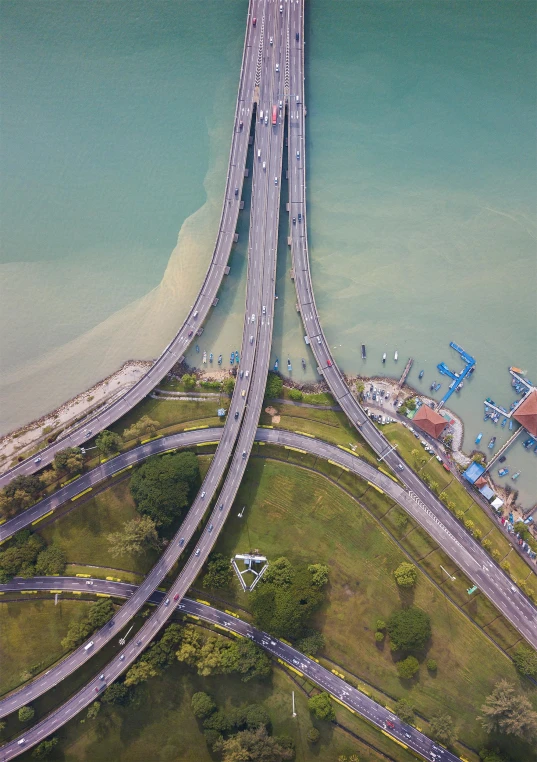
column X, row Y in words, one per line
column 444, row 529
column 102, row 419
column 339, row 689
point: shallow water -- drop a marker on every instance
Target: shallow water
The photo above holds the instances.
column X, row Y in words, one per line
column 421, row 192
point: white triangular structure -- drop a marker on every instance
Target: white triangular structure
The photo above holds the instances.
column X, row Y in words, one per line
column 250, row 561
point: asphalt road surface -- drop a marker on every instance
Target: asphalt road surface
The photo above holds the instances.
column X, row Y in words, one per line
column 336, row 686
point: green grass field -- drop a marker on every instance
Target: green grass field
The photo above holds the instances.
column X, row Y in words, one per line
column 293, row 512
column 30, row 635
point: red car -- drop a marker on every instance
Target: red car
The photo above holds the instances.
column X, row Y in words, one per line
column 176, row 597
column 254, row 21
column 390, row 724
column 190, row 333
column 329, row 363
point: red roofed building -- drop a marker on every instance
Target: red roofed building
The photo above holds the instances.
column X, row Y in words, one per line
column 526, row 414
column 430, row 421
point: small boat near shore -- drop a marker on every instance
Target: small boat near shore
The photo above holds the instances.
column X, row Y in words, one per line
column 479, row 438
column 503, row 471
column 396, row 355
column 211, row 357
column 232, row 358
column 515, row 476
column 363, row 351
column 303, row 364
column 276, row 365
column 204, row 360
column 421, row 374
column 236, row 357
column 504, row 422
column 289, row 366
column 219, row 359
column 197, row 348
column 492, row 443
column 384, row 357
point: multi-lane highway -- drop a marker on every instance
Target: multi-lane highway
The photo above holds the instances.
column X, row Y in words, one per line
column 484, row 572
column 324, row 678
column 198, row 312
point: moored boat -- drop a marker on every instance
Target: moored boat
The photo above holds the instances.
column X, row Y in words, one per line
column 236, row 357
column 479, row 437
column 396, row 355
column 503, row 471
column 197, row 348
column 289, row 366
column 204, row 360
column 511, row 425
column 276, row 365
column 211, row 357
column 232, row 358
column 219, row 359
column 384, row 357
column 492, row 443
column 515, row 476
column 504, row 422
column 363, row 351
column 303, row 364
column 421, row 374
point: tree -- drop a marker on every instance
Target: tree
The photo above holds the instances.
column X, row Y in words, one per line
column 255, row 716
column 432, row 666
column 163, row 485
column 108, row 442
column 274, row 387
column 219, row 573
column 256, row 746
column 51, row 561
column 280, row 572
column 100, row 612
column 137, row 536
column 117, row 693
column 20, row 557
column 228, row 385
column 2, row 726
column 319, row 574
column 525, row 659
column 408, row 667
column 379, row 636
column 69, row 461
column 139, row 673
column 77, row 632
column 492, row 755
column 44, row 749
column 189, row 382
column 144, row 427
column 312, row 643
column 321, row 707
column 26, row 713
column 295, row 394
column 404, row 711
column 313, row 736
column 509, row 713
column 406, row 574
column 247, row 659
column 443, row 730
column 94, row 710
column 202, row 705
column 19, row 494
column 409, row 629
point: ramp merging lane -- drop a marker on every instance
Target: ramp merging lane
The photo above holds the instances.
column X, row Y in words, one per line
column 213, row 277
column 339, row 689
column 466, row 553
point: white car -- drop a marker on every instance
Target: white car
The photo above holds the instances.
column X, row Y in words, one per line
column 253, row 317
column 266, row 119
column 203, row 493
column 198, row 551
column 246, row 374
column 37, row 460
column 89, row 582
column 277, row 67
column 271, row 40
column 264, row 165
column 251, row 339
column 264, row 310
column 258, row 153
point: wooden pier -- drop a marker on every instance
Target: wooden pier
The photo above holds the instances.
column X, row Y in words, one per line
column 504, row 448
column 406, row 372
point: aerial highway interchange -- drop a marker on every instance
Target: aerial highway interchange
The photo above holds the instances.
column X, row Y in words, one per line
column 270, row 73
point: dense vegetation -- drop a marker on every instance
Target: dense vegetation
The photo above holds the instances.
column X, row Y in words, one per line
column 99, row 613
column 287, row 597
column 19, row 494
column 28, row 555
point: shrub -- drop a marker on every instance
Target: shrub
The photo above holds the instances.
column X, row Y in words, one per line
column 409, row 629
column 408, row 667
column 202, row 705
column 313, row 735
column 274, row 387
column 26, row 713
column 432, row 666
column 406, row 574
column 379, row 636
column 321, row 707
column 295, row 394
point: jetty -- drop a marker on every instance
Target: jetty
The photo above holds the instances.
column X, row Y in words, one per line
column 406, row 371
column 503, row 449
column 457, row 378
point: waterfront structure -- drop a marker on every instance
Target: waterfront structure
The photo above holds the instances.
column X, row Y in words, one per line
column 429, row 421
column 526, row 413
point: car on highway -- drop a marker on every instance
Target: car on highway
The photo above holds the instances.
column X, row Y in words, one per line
column 122, row 657
column 264, row 310
column 210, row 527
column 329, row 363
column 176, row 597
column 254, row 21
column 318, row 339
column 264, row 165
column 246, row 373
column 37, row 460
column 89, row 582
column 281, row 8
column 299, row 217
column 266, row 122
column 88, row 645
column 243, row 393
column 190, row 333
column 251, row 339
column 221, row 507
column 298, row 154
column 298, row 98
column 242, row 373
column 167, row 602
column 244, row 453
column 203, row 493
column 271, row 40
column 390, row 724
column 275, row 181
column 258, row 153
column 294, row 220
column 21, row 742
column 198, row 551
column 236, row 191
column 181, row 542
column 241, row 125
column 101, row 677
column 296, row 38
column 236, row 414
column 400, row 467
column 277, row 67
column 253, row 317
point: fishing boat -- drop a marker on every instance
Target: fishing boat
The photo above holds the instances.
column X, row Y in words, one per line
column 421, row 374
column 236, row 357
column 276, row 365
column 503, row 471
column 515, row 476
column 303, row 364
column 431, row 388
column 492, row 443
column 511, row 425
column 232, row 358
column 437, row 387
column 479, row 437
column 363, row 351
column 459, row 387
column 396, row 355
column 219, row 359
column 504, row 422
column 384, row 357
column 211, row 357
column 204, row 360
column 289, row 366
column 197, row 348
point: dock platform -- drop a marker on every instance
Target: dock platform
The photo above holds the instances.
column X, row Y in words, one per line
column 458, row 378
column 406, row 372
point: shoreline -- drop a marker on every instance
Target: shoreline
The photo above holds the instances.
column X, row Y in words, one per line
column 22, row 442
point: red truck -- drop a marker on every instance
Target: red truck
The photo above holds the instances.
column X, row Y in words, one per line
column 274, row 114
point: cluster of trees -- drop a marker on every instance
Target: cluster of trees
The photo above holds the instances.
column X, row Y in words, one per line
column 136, row 536
column 406, row 574
column 409, row 629
column 274, row 387
column 145, row 427
column 68, row 461
column 108, row 443
column 296, row 395
column 240, row 734
column 215, row 655
column 510, row 713
column 20, row 494
column 288, row 596
column 321, row 707
column 163, row 486
column 219, row 573
column 45, row 748
column 408, row 404
column 99, row 613
column 525, row 659
column 28, row 556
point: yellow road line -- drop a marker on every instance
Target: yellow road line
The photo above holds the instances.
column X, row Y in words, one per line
column 219, row 627
column 195, row 428
column 205, row 603
column 387, row 473
column 202, row 444
column 305, row 434
column 150, row 439
column 81, row 493
column 82, row 575
column 103, row 595
column 122, row 471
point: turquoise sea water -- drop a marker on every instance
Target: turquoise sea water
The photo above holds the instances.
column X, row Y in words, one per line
column 421, row 191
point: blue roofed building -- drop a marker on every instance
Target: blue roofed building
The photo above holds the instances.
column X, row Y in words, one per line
column 473, row 472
